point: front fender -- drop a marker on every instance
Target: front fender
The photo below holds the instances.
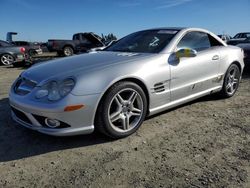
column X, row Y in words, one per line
column 98, row 81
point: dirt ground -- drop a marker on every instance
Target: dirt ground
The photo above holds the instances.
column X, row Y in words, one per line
column 205, row 143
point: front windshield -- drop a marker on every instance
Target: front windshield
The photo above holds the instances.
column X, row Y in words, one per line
column 149, row 41
column 242, row 35
column 236, row 36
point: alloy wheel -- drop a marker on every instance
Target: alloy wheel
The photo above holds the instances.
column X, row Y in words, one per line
column 232, row 81
column 68, row 51
column 125, row 110
column 7, row 59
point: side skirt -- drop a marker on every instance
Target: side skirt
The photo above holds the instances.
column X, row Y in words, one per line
column 183, row 100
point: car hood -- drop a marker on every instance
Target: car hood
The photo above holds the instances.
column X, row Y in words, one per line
column 239, row 39
column 245, row 46
column 79, row 64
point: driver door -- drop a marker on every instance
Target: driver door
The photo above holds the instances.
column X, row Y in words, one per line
column 193, row 75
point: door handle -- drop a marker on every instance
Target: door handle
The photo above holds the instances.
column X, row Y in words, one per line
column 216, row 57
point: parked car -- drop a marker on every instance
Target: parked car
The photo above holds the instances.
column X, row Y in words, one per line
column 31, row 48
column 225, row 38
column 240, row 38
column 246, row 48
column 113, row 90
column 10, row 54
column 81, row 42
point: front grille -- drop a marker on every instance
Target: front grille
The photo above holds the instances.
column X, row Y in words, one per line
column 20, row 115
column 24, row 86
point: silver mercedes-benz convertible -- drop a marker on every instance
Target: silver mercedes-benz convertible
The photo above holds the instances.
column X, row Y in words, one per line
column 113, row 90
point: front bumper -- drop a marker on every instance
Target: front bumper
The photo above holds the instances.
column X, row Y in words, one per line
column 26, row 113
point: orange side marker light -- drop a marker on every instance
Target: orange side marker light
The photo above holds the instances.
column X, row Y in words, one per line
column 73, row 108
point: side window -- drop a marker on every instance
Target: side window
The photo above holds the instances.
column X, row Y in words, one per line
column 243, row 35
column 198, row 41
column 237, row 36
column 24, row 43
column 214, row 41
column 85, row 40
column 76, row 37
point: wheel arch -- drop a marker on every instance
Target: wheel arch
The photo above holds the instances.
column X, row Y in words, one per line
column 129, row 79
column 238, row 64
column 142, row 85
column 69, row 45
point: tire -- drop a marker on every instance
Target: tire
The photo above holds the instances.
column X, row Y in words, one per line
column 7, row 59
column 68, row 51
column 122, row 110
column 231, row 81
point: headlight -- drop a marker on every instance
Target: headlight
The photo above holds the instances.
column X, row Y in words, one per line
column 53, row 89
column 56, row 90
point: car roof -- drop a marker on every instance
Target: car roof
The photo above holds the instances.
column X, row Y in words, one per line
column 168, row 28
column 21, row 41
column 180, row 29
column 243, row 33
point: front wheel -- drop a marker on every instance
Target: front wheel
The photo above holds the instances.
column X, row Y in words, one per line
column 122, row 110
column 231, row 81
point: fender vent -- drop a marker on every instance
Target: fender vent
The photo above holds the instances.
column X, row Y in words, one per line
column 159, row 87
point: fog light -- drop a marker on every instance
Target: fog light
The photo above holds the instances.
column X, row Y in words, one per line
column 52, row 123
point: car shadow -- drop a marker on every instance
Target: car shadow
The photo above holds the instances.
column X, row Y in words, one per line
column 17, row 142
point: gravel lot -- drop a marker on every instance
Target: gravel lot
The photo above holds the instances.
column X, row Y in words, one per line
column 205, row 143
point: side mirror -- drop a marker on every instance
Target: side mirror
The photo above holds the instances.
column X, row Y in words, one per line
column 186, row 52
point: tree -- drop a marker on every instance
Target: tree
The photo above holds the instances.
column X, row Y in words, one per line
column 108, row 38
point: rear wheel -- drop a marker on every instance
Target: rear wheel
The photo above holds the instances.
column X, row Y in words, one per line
column 122, row 110
column 231, row 81
column 68, row 51
column 7, row 59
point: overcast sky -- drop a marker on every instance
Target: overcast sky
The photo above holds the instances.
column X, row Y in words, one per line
column 40, row 20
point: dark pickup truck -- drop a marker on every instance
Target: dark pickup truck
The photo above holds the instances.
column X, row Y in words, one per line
column 82, row 42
